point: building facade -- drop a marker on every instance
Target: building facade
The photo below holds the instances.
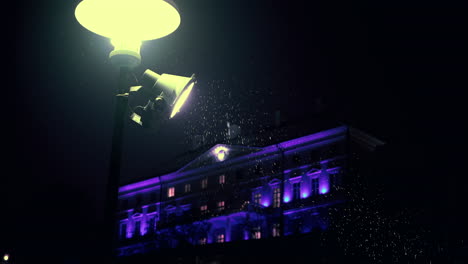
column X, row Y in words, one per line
column 237, row 193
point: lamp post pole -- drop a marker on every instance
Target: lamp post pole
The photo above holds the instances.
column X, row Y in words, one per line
column 115, row 165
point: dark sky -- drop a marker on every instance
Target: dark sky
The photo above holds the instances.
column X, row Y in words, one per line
column 392, row 70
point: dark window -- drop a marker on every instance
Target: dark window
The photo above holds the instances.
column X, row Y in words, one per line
column 123, row 231
column 152, row 226
column 315, row 186
column 137, row 228
column 296, row 190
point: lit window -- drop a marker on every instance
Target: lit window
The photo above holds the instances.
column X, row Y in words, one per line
column 257, row 198
column 315, row 186
column 220, row 238
column 220, row 205
column 204, row 183
column 203, row 209
column 170, row 192
column 187, row 187
column 202, row 241
column 222, row 179
column 257, row 234
column 276, row 230
column 276, row 197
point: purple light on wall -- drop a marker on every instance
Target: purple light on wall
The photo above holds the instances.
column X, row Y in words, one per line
column 314, row 137
column 323, row 190
column 287, row 191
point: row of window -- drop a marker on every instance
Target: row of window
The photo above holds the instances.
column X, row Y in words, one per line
column 255, row 234
column 276, row 197
column 188, row 186
column 296, row 193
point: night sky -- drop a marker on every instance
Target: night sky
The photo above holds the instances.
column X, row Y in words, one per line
column 392, row 70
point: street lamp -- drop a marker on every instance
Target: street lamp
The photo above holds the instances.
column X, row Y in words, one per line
column 127, row 23
column 166, row 94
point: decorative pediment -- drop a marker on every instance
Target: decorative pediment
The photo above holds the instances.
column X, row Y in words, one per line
column 218, row 154
column 274, row 182
column 170, row 208
column 136, row 215
column 313, row 170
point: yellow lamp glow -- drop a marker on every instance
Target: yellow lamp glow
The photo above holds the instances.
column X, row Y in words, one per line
column 181, row 100
column 128, row 22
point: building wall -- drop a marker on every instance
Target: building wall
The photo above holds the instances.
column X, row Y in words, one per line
column 312, row 170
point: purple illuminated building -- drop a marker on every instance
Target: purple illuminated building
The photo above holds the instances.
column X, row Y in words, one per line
column 236, row 193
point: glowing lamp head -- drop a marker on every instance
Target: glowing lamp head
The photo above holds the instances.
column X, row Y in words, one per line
column 136, row 20
column 220, row 153
column 166, row 93
column 305, row 195
column 287, row 199
column 181, row 99
column 6, row 257
column 128, row 22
